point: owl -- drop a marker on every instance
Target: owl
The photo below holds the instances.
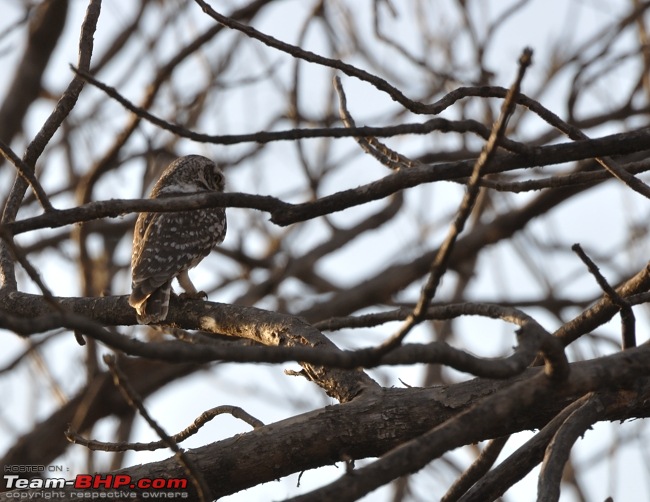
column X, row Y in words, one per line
column 167, row 245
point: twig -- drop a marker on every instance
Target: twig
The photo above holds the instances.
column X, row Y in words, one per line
column 559, row 449
column 434, row 124
column 311, row 57
column 604, row 309
column 521, row 461
column 33, row 345
column 110, row 158
column 628, row 321
column 92, row 444
column 370, row 144
column 439, row 312
column 477, row 470
column 414, row 106
column 135, row 401
column 63, row 107
column 19, row 256
column 439, row 265
column 28, row 175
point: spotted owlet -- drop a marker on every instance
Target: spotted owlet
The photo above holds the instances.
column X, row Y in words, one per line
column 167, row 245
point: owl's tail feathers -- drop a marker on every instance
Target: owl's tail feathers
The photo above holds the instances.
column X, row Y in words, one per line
column 151, row 306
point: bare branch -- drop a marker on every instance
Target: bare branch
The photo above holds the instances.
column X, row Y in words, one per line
column 135, row 401
column 51, row 125
column 477, row 470
column 435, row 124
column 628, row 320
column 441, row 261
column 204, row 418
column 558, row 450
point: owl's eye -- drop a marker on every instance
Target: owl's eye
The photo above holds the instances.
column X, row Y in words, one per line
column 205, row 179
column 214, row 179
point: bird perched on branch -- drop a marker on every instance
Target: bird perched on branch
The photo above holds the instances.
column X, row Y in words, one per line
column 167, row 245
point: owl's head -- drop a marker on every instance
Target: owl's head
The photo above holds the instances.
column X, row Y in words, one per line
column 189, row 174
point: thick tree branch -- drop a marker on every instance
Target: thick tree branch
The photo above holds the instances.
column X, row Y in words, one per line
column 294, row 340
column 284, row 213
column 469, row 426
column 425, row 421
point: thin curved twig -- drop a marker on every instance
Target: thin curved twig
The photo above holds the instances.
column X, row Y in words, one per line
column 205, row 417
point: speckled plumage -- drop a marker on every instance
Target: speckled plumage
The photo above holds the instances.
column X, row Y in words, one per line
column 167, row 245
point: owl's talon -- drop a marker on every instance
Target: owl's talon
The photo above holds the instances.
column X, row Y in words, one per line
column 198, row 295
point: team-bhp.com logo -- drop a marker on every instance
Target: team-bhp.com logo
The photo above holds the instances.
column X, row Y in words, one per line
column 93, row 484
